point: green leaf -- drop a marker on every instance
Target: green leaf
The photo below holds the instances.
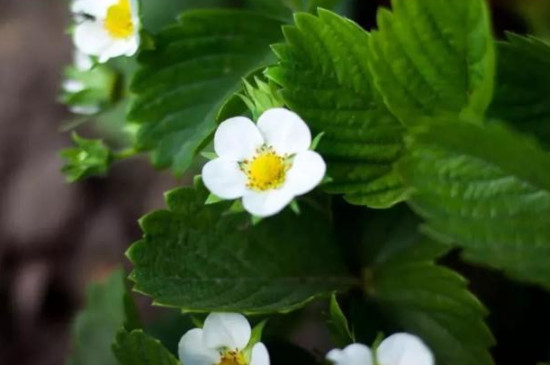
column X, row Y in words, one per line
column 197, row 65
column 88, row 158
column 194, row 258
column 434, row 57
column 421, row 297
column 486, row 189
column 96, row 326
column 325, row 78
column 338, row 325
column 138, row 348
column 523, row 86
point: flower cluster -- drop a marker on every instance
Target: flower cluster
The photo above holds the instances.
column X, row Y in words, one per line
column 226, row 339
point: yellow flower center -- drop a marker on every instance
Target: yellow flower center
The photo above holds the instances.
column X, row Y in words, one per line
column 266, row 171
column 118, row 22
column 232, row 358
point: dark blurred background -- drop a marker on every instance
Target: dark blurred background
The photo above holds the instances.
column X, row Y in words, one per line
column 56, row 237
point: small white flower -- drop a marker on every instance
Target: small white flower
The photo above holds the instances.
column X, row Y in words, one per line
column 222, row 341
column 398, row 349
column 267, row 165
column 106, row 28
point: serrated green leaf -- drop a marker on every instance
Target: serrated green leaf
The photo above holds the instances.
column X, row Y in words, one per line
column 194, row 258
column 421, row 297
column 96, row 326
column 325, row 78
column 486, row 189
column 197, row 65
column 138, row 348
column 433, row 57
column 88, row 158
column 523, row 86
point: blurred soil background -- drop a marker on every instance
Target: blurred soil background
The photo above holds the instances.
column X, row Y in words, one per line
column 56, row 237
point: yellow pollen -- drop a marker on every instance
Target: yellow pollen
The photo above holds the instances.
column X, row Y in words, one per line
column 232, row 358
column 118, row 22
column 266, row 171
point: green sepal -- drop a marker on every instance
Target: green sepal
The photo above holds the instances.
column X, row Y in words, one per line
column 213, row 199
column 209, row 155
column 255, row 337
column 316, row 141
column 260, row 96
column 338, row 325
column 88, row 158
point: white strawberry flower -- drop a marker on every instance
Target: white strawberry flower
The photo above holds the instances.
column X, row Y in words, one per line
column 223, row 340
column 266, row 164
column 106, row 28
column 398, row 349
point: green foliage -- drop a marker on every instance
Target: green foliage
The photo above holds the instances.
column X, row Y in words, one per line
column 523, row 86
column 486, row 189
column 198, row 259
column 96, row 326
column 338, row 325
column 420, row 296
column 284, row 8
column 434, row 57
column 138, row 348
column 197, row 65
column 261, row 96
column 325, row 78
column 88, row 158
column 96, row 87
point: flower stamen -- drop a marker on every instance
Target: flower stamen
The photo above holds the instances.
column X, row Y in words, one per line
column 232, row 358
column 266, row 171
column 118, row 22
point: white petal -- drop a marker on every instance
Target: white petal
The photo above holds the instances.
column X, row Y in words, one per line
column 307, row 171
column 96, row 8
column 265, row 204
column 82, row 61
column 192, row 351
column 119, row 47
column 259, row 355
column 84, row 109
column 237, row 139
column 73, row 86
column 134, row 6
column 226, row 330
column 285, row 131
column 224, row 178
column 354, row 354
column 90, row 38
column 404, row 349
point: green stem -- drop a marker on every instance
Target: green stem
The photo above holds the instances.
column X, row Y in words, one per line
column 124, row 154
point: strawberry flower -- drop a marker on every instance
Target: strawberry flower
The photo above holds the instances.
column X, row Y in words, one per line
column 266, row 164
column 225, row 339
